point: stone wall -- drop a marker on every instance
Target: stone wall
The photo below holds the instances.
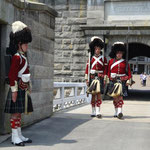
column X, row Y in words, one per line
column 6, row 17
column 95, row 12
column 41, row 19
column 70, row 43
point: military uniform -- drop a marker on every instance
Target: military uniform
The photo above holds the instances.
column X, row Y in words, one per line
column 98, row 71
column 117, row 72
column 19, row 81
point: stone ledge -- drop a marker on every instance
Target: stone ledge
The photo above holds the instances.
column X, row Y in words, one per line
column 122, row 1
column 34, row 6
column 113, row 27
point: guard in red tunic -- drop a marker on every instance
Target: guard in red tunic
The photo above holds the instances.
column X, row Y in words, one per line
column 97, row 72
column 19, row 100
column 118, row 70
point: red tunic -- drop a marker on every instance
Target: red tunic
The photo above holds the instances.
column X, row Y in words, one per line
column 99, row 64
column 17, row 64
column 118, row 68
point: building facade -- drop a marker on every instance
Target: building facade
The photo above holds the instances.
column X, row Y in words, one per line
column 112, row 20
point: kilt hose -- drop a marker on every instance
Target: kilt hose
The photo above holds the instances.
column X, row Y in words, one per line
column 18, row 106
column 118, row 102
column 96, row 103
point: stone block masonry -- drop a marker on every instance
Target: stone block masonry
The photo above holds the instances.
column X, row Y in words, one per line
column 70, row 41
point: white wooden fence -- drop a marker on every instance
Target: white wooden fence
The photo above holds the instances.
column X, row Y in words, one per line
column 68, row 94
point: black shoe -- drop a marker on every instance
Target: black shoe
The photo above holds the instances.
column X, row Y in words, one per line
column 93, row 116
column 120, row 116
column 19, row 144
column 28, row 141
column 99, row 116
column 115, row 116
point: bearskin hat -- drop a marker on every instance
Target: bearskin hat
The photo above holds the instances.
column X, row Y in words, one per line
column 95, row 41
column 20, row 34
column 117, row 46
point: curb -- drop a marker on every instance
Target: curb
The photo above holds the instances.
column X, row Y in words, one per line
column 3, row 138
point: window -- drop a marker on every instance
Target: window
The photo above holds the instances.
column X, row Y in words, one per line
column 141, row 58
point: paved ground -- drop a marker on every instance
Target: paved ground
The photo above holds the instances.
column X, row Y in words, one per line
column 74, row 129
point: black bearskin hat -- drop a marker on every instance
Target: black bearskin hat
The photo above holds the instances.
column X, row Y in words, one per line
column 20, row 34
column 117, row 46
column 95, row 41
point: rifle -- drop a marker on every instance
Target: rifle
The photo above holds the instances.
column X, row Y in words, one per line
column 89, row 67
column 127, row 50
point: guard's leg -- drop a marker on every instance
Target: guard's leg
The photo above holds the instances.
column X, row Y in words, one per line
column 24, row 139
column 118, row 103
column 14, row 125
column 98, row 105
column 93, row 106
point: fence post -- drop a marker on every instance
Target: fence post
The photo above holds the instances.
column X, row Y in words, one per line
column 62, row 97
column 76, row 88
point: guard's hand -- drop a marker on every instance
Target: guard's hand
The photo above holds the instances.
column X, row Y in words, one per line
column 127, row 84
column 30, row 91
column 87, row 82
column 104, row 83
column 14, row 96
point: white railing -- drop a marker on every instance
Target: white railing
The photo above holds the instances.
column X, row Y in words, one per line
column 68, row 94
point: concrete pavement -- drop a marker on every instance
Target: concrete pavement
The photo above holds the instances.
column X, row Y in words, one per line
column 74, row 129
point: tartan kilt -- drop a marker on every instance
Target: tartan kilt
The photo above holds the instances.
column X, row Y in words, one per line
column 18, row 106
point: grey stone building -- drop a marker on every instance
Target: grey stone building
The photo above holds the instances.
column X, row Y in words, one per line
column 112, row 20
column 41, row 19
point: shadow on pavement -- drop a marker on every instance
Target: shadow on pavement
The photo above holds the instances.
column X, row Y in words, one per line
column 138, row 95
column 52, row 131
column 136, row 117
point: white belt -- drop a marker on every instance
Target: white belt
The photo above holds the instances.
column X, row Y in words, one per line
column 95, row 71
column 113, row 75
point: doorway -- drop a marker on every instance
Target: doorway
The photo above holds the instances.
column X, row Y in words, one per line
column 140, row 69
